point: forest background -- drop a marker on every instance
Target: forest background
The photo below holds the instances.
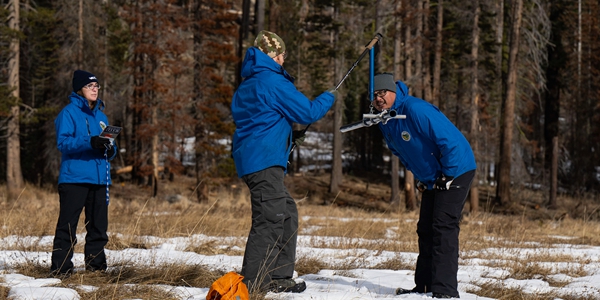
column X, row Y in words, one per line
column 518, row 77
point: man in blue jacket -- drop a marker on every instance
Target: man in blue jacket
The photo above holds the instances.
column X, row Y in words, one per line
column 440, row 157
column 264, row 107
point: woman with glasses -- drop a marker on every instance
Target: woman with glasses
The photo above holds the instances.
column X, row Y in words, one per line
column 84, row 176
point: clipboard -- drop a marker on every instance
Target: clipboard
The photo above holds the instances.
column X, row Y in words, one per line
column 111, row 132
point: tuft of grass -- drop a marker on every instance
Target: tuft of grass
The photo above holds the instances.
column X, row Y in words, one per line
column 128, row 292
column 557, row 283
column 176, row 275
column 119, row 242
column 309, row 265
column 499, row 291
column 214, row 248
column 395, row 263
column 346, row 273
column 3, row 291
column 33, row 268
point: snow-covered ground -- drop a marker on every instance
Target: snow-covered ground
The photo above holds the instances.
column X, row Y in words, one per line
column 363, row 283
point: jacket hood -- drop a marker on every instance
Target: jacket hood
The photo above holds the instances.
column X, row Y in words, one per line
column 81, row 102
column 257, row 61
column 401, row 94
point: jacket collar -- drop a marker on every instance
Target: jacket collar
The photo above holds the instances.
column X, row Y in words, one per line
column 257, row 61
column 82, row 103
column 401, row 94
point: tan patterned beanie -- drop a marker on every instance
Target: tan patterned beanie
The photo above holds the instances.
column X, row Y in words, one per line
column 269, row 43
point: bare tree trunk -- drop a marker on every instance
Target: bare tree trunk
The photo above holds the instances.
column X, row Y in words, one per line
column 579, row 53
column 14, row 176
column 260, row 15
column 437, row 63
column 155, row 152
column 499, row 77
column 395, row 196
column 243, row 35
column 199, row 129
column 553, row 175
column 474, row 195
column 427, row 89
column 273, row 15
column 418, row 53
column 106, row 75
column 503, row 196
column 552, row 100
column 134, row 144
column 338, row 110
column 409, row 189
column 80, row 40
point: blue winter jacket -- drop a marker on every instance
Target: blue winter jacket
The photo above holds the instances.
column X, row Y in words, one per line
column 426, row 142
column 75, row 125
column 264, row 107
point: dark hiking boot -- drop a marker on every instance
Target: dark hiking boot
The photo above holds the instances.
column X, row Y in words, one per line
column 444, row 296
column 60, row 275
column 93, row 269
column 401, row 291
column 287, row 285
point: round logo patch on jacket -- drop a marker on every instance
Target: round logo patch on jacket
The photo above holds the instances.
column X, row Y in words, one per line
column 405, row 136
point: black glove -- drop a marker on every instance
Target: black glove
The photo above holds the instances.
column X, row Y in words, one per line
column 101, row 143
column 298, row 137
column 443, row 182
column 110, row 152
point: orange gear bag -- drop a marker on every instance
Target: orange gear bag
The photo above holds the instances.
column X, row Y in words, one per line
column 228, row 287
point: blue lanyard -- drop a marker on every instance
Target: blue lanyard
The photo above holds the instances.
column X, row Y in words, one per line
column 107, row 174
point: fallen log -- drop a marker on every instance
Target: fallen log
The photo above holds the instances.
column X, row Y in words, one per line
column 128, row 169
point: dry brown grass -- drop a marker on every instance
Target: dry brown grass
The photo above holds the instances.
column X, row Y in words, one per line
column 126, row 281
column 127, row 292
column 4, row 292
column 310, row 265
column 133, row 215
column 497, row 291
column 395, row 263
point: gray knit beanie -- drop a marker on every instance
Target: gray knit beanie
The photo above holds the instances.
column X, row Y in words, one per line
column 384, row 81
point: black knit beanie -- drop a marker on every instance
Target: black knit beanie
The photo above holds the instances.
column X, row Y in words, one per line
column 82, row 78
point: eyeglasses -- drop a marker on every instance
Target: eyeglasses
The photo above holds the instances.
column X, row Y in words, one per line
column 380, row 93
column 92, row 86
column 285, row 54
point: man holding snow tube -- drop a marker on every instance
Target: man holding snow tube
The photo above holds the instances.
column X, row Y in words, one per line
column 440, row 157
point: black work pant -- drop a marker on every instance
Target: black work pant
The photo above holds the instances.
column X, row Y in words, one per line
column 438, row 229
column 271, row 247
column 73, row 198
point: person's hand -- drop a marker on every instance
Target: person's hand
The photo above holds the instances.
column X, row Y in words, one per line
column 333, row 91
column 99, row 142
column 110, row 152
column 298, row 137
column 443, row 182
column 421, row 186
